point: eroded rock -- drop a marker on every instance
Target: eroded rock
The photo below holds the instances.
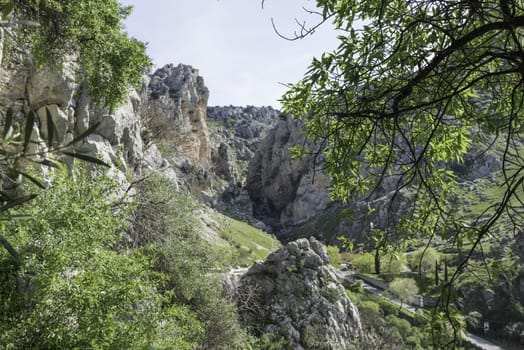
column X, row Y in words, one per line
column 295, row 295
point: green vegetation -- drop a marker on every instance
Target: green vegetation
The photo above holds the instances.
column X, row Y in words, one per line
column 246, row 243
column 404, row 289
column 164, row 223
column 19, row 153
column 393, row 328
column 90, row 30
column 423, row 260
column 405, row 95
column 364, row 263
column 334, row 256
column 71, row 289
column 97, row 280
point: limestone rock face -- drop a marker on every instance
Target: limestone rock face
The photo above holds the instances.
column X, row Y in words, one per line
column 178, row 93
column 296, row 295
column 285, row 191
column 117, row 140
column 235, row 137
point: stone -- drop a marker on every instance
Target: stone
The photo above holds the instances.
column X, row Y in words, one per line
column 48, row 86
column 295, row 294
column 178, row 93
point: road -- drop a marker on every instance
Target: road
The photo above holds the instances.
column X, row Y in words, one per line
column 475, row 340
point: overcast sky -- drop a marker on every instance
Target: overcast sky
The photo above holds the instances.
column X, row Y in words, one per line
column 232, row 43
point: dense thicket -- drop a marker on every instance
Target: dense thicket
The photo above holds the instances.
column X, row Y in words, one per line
column 72, row 289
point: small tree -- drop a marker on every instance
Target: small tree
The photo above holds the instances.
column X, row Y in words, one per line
column 424, row 260
column 404, row 289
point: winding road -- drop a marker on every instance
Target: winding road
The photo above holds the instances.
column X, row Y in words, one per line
column 474, row 340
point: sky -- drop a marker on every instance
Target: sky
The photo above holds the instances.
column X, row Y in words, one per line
column 232, row 43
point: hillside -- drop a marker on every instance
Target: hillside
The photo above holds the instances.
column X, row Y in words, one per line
column 162, row 222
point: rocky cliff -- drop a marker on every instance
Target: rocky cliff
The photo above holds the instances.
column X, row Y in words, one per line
column 286, row 192
column 292, row 196
column 235, row 137
column 178, row 93
column 117, row 140
column 295, row 295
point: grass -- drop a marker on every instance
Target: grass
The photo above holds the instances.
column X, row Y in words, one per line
column 246, row 243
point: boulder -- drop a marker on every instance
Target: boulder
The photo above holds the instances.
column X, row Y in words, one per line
column 296, row 295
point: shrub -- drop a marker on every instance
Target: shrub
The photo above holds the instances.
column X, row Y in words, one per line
column 403, row 326
column 72, row 290
column 369, row 313
column 334, row 255
column 164, row 222
column 364, row 263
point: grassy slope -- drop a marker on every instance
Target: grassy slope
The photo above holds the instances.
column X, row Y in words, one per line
column 238, row 242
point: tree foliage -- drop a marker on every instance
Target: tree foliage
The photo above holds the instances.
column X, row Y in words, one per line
column 404, row 288
column 71, row 289
column 18, row 149
column 165, row 223
column 423, row 260
column 412, row 87
column 90, row 31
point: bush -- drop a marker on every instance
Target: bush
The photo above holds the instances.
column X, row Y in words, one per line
column 72, row 290
column 388, row 307
column 164, row 222
column 364, row 263
column 370, row 315
column 334, row 255
column 403, row 326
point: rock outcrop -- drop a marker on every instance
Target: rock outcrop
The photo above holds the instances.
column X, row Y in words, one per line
column 286, row 192
column 292, row 196
column 117, row 140
column 178, row 94
column 237, row 131
column 295, row 295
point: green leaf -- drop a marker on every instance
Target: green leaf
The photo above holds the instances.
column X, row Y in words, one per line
column 86, row 158
column 84, row 134
column 51, row 127
column 33, row 180
column 16, row 202
column 5, row 243
column 8, row 122
column 6, row 8
column 29, row 124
